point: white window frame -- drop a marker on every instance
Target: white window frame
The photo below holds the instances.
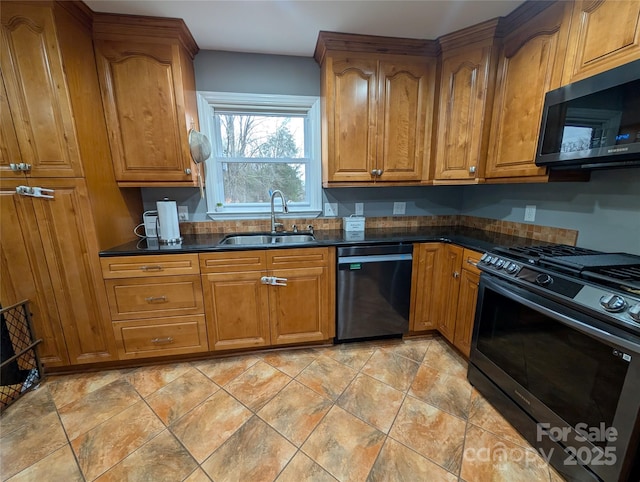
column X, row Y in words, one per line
column 208, row 102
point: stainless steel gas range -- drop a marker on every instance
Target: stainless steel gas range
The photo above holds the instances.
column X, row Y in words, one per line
column 556, row 348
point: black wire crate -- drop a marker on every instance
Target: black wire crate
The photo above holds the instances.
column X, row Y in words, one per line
column 20, row 369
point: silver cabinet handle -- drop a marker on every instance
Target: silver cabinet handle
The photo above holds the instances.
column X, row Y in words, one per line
column 273, row 281
column 156, row 299
column 35, row 191
column 162, row 341
column 374, row 172
column 21, row 166
column 456, row 274
column 154, row 267
column 379, row 172
column 187, row 171
column 472, row 169
column 472, row 263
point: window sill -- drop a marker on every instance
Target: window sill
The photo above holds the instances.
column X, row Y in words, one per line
column 235, row 216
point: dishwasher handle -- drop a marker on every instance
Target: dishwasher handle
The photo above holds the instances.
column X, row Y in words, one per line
column 382, row 258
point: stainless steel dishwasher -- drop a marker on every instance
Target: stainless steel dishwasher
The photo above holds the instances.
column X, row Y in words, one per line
column 374, row 291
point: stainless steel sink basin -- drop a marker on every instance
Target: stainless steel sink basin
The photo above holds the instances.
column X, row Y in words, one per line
column 293, row 238
column 249, row 239
column 262, row 239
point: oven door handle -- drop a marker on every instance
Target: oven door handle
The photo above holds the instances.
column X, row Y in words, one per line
column 510, row 292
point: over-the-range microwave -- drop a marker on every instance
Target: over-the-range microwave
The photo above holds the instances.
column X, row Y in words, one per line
column 593, row 123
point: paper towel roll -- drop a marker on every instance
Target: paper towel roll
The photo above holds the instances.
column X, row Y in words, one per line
column 168, row 221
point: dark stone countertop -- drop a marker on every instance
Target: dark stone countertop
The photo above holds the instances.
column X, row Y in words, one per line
column 475, row 239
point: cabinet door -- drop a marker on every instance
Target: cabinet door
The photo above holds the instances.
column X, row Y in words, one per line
column 461, row 121
column 63, row 253
column 350, row 111
column 299, row 311
column 530, row 64
column 237, row 310
column 144, row 106
column 466, row 310
column 9, row 149
column 37, row 91
column 404, row 118
column 449, row 288
column 25, row 276
column 604, row 34
column 66, row 229
column 425, row 301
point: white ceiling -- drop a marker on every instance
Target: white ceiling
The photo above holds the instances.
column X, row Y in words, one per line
column 290, row 27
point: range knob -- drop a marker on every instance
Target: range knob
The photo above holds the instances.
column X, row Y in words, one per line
column 500, row 263
column 512, row 268
column 613, row 303
column 543, row 279
column 487, row 259
column 634, row 312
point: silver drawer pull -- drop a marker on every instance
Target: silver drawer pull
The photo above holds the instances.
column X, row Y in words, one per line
column 153, row 267
column 162, row 341
column 471, row 262
column 156, row 299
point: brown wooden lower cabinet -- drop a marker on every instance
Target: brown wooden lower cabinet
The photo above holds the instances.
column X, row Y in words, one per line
column 156, row 305
column 467, row 298
column 424, row 287
column 237, row 309
column 445, row 290
column 450, row 266
column 49, row 255
column 244, row 311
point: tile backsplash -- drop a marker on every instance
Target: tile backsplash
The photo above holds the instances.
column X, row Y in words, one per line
column 545, row 234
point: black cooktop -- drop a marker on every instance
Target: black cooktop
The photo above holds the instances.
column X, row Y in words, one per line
column 613, row 269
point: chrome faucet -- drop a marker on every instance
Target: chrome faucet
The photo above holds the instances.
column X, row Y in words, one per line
column 285, row 210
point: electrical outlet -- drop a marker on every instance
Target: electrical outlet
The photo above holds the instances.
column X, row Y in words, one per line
column 399, row 207
column 359, row 209
column 330, row 209
column 530, row 212
column 183, row 213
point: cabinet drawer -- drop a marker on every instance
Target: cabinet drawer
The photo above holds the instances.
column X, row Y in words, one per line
column 153, row 265
column 297, row 257
column 470, row 260
column 154, row 296
column 233, row 262
column 161, row 336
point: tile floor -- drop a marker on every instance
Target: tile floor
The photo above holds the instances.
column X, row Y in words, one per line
column 388, row 411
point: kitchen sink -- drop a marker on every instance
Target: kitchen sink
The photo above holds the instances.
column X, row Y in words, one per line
column 262, row 239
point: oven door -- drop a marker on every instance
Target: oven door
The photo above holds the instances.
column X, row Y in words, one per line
column 576, row 376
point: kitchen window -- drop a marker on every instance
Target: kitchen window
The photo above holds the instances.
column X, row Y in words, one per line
column 260, row 143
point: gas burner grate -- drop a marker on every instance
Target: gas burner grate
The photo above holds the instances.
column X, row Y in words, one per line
column 547, row 251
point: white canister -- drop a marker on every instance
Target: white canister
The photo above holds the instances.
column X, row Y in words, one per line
column 169, row 227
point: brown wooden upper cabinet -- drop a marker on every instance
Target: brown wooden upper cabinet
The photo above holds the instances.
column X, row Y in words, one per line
column 604, row 34
column 530, row 64
column 39, row 138
column 147, row 80
column 377, row 108
column 467, row 79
